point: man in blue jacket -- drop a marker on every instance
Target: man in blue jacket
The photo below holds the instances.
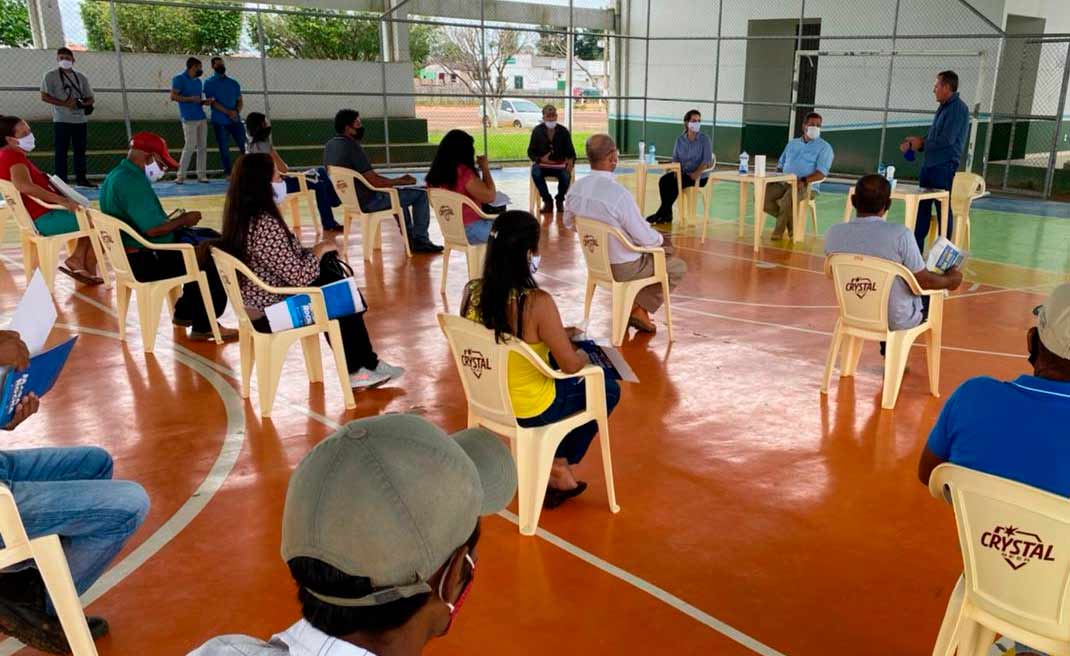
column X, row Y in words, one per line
column 943, row 147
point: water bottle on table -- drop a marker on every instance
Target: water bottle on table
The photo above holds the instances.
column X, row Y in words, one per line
column 744, row 163
column 652, row 155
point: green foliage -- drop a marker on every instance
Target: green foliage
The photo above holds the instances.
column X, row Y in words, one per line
column 584, row 48
column 309, row 34
column 162, row 29
column 15, row 24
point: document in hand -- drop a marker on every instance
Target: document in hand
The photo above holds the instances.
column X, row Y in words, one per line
column 609, row 358
column 341, row 297
column 944, row 255
column 68, row 191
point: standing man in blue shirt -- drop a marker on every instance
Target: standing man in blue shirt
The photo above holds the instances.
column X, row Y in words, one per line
column 809, row 157
column 225, row 95
column 943, row 147
column 188, row 92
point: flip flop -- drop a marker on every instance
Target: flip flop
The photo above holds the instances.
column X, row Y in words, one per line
column 82, row 276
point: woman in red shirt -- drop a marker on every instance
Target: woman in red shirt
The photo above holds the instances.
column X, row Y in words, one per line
column 32, row 184
column 454, row 168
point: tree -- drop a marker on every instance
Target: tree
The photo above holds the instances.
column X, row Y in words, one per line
column 585, row 47
column 15, row 24
column 310, row 34
column 162, row 29
column 460, row 51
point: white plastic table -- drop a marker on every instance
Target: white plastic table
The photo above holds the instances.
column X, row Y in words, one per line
column 760, row 182
column 911, row 195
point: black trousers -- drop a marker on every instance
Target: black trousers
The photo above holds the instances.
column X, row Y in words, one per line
column 67, row 135
column 668, row 192
column 149, row 266
column 356, row 343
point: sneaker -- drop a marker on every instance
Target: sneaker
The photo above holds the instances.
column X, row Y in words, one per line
column 391, row 370
column 367, row 378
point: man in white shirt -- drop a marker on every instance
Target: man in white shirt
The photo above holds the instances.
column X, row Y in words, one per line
column 379, row 531
column 600, row 197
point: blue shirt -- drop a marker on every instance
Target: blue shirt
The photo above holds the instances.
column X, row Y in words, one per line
column 1017, row 430
column 947, row 134
column 225, row 91
column 803, row 157
column 184, row 85
column 692, row 154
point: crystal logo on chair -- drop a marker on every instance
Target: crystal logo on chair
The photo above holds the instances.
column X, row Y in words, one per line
column 590, row 243
column 475, row 361
column 445, row 213
column 860, row 286
column 1017, row 547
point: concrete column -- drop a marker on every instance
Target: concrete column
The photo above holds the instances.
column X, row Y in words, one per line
column 46, row 24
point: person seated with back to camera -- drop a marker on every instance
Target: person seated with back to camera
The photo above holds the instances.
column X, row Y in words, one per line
column 457, row 169
column 254, row 232
column 600, row 197
column 508, row 301
column 869, row 234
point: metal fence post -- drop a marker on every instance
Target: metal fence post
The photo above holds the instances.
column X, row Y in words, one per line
column 116, row 37
column 384, row 42
column 483, row 74
column 717, row 77
column 888, row 89
column 570, row 44
column 263, row 61
column 646, row 69
column 1050, row 177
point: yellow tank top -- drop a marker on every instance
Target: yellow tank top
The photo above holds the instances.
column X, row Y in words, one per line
column 530, row 391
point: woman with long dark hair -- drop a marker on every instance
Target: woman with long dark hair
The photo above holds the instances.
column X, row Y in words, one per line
column 455, row 168
column 508, row 300
column 16, row 141
column 694, row 151
column 254, row 232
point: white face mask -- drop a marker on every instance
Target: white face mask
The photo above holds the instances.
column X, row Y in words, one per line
column 66, row 64
column 534, row 263
column 27, row 143
column 813, row 132
column 153, row 171
column 278, row 190
column 694, row 126
column 550, row 125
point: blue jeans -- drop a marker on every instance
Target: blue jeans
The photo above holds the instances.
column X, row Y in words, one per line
column 571, row 397
column 940, row 176
column 69, row 492
column 236, row 130
column 539, row 175
column 413, row 205
column 478, row 231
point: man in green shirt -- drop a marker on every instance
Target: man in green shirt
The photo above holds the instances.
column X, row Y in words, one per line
column 127, row 195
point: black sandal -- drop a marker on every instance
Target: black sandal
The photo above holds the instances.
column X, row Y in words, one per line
column 556, row 497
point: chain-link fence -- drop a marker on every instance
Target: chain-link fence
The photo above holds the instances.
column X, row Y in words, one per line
column 418, row 68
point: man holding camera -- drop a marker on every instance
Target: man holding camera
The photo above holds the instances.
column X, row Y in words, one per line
column 71, row 97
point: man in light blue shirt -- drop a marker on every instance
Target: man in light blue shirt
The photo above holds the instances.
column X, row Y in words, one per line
column 809, row 157
column 188, row 91
column 225, row 95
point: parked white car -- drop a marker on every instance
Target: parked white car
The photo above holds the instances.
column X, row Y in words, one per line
column 518, row 113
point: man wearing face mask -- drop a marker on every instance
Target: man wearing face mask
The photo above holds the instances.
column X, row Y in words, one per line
column 71, row 97
column 553, row 156
column 188, row 91
column 809, row 157
column 226, row 99
column 127, row 195
column 383, row 561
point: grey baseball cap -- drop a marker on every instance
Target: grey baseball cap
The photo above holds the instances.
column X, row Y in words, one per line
column 390, row 498
column 1053, row 321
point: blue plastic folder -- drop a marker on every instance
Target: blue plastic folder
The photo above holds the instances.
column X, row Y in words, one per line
column 38, row 378
column 341, row 297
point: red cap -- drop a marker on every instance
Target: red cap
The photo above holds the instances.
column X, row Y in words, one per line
column 150, row 142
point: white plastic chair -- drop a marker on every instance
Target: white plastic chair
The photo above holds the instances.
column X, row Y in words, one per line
column 40, row 251
column 863, row 285
column 449, row 207
column 692, row 194
column 345, row 181
column 150, row 295
column 594, row 239
column 1015, row 544
column 47, row 555
column 966, row 188
column 293, row 203
column 484, row 368
column 268, row 350
column 808, row 208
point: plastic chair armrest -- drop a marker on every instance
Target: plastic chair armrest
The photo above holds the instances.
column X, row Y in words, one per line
column 51, row 206
column 301, row 177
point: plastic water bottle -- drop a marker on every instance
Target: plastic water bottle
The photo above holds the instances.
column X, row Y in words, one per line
column 881, row 168
column 642, row 149
column 652, row 155
column 744, row 163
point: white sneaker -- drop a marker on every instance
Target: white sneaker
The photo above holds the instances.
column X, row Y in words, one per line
column 389, row 369
column 366, row 378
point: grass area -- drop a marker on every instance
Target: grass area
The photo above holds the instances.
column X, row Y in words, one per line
column 505, row 145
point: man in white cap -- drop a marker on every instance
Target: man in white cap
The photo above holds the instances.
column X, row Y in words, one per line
column 379, row 531
column 1016, row 429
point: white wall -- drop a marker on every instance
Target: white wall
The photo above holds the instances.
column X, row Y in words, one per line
column 152, row 75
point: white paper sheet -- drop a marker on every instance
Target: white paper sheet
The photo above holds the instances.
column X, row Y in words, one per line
column 35, row 315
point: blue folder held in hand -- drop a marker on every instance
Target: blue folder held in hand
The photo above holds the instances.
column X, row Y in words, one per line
column 38, row 378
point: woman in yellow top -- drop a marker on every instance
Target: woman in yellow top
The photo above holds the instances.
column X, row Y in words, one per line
column 507, row 300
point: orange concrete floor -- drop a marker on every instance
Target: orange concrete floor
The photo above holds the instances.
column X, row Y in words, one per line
column 757, row 515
